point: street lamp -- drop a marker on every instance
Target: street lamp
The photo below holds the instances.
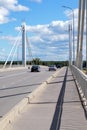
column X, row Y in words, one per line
column 70, row 52
column 73, row 31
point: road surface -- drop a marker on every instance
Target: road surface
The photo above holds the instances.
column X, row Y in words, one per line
column 16, row 84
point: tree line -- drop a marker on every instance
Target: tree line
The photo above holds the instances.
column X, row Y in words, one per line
column 37, row 61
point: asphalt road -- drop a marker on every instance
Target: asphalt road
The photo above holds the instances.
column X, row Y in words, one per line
column 16, row 84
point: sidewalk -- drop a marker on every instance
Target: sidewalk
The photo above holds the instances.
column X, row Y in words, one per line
column 58, row 107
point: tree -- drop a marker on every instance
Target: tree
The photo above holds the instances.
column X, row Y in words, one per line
column 36, row 61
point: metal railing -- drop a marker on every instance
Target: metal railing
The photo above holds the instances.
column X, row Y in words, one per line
column 81, row 79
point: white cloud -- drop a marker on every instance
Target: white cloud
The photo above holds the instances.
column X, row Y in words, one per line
column 59, row 25
column 3, row 15
column 11, row 39
column 39, row 29
column 50, row 40
column 13, row 5
column 9, row 5
column 52, row 32
column 19, row 8
column 38, row 1
column 48, row 29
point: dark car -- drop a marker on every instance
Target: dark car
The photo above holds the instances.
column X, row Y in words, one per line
column 58, row 66
column 35, row 68
column 52, row 68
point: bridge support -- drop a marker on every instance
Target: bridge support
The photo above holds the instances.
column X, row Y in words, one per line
column 24, row 44
column 80, row 33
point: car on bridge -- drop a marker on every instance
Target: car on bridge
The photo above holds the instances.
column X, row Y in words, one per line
column 59, row 66
column 35, row 68
column 52, row 68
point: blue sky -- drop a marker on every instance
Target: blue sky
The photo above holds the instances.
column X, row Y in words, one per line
column 47, row 27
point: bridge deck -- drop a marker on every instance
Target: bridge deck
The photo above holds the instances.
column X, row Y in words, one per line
column 58, row 107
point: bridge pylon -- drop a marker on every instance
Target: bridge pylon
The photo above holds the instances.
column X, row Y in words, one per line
column 23, row 44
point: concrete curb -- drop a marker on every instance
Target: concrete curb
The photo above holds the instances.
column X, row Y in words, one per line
column 16, row 110
column 82, row 97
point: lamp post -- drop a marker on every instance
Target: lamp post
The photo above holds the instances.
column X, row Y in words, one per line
column 70, row 52
column 73, row 32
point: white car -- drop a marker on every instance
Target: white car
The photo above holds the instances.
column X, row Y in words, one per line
column 52, row 68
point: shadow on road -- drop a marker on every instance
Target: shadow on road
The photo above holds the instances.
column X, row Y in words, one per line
column 18, row 94
column 28, row 85
column 58, row 111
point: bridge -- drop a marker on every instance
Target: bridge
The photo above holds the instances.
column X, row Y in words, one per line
column 48, row 101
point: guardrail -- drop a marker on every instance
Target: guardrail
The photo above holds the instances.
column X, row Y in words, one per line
column 81, row 79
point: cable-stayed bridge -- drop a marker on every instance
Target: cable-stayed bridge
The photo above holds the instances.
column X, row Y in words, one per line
column 25, row 45
column 50, row 101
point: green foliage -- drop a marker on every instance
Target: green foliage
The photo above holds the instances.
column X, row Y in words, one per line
column 37, row 61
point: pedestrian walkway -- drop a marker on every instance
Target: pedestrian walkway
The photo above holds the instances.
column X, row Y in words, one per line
column 58, row 107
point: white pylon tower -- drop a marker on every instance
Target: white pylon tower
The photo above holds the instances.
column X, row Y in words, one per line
column 23, row 44
column 81, row 17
